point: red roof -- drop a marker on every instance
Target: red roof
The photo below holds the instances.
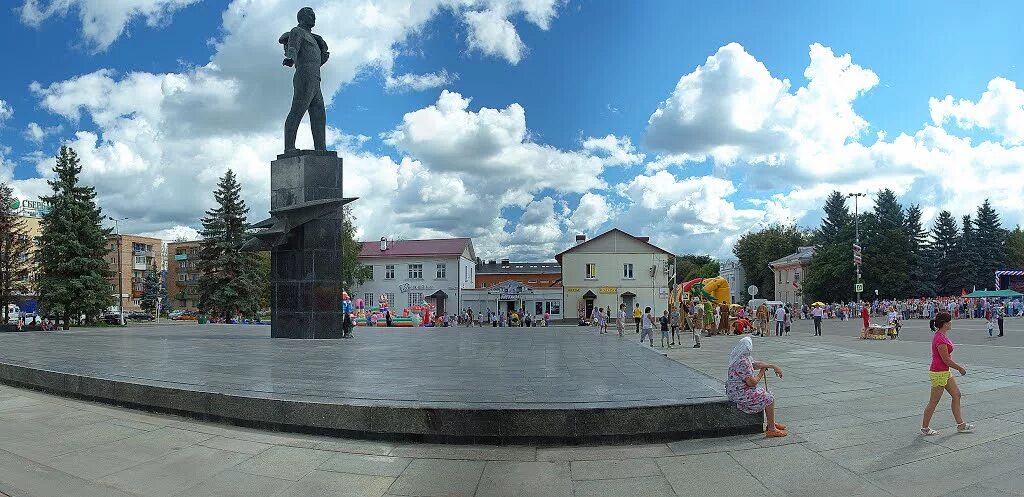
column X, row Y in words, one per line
column 415, row 248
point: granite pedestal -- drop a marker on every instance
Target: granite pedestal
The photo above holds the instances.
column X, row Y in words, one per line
column 460, row 385
column 304, row 237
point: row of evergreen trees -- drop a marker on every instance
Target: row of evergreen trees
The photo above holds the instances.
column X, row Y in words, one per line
column 71, row 256
column 902, row 259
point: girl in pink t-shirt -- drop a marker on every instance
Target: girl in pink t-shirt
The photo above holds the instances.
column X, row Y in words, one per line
column 938, row 373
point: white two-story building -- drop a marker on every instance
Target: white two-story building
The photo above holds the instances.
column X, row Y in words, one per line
column 410, row 272
column 612, row 268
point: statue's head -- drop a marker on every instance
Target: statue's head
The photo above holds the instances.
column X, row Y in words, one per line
column 306, row 17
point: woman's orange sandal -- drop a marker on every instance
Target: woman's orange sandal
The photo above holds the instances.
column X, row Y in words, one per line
column 780, row 426
column 776, row 433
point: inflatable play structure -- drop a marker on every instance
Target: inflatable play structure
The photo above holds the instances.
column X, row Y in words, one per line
column 709, row 293
column 419, row 315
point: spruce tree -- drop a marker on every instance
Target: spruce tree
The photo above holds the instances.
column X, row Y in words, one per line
column 229, row 284
column 990, row 244
column 72, row 249
column 832, row 275
column 945, row 251
column 968, row 258
column 886, row 248
column 922, row 271
column 153, row 293
column 15, row 247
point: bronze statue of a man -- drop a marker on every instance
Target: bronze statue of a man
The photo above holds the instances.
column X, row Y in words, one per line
column 307, row 52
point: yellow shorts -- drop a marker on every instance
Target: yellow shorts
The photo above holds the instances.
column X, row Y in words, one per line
column 939, row 378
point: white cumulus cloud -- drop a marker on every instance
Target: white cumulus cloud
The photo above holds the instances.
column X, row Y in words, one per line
column 103, row 21
column 1000, row 109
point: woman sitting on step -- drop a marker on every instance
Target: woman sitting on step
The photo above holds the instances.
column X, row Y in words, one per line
column 742, row 386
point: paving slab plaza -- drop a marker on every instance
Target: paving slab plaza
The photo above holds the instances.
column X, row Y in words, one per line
column 524, row 385
column 852, row 407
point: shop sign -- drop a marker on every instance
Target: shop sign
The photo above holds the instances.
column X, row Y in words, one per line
column 572, row 290
column 406, row 288
column 609, row 289
column 509, row 291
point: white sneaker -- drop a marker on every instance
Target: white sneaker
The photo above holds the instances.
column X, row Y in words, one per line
column 928, row 432
column 965, row 428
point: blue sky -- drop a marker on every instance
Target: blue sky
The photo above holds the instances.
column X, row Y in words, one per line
column 176, row 91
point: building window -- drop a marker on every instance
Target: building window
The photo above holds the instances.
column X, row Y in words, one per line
column 415, row 271
column 442, row 270
column 556, row 307
column 391, row 299
column 780, row 276
column 538, row 309
column 627, row 271
column 369, row 273
column 796, row 277
column 182, row 277
column 389, row 272
column 182, row 264
column 415, row 298
column 140, row 259
column 368, row 299
column 591, row 271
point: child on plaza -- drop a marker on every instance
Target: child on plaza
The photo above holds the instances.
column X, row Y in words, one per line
column 989, row 321
column 743, row 389
column 941, row 380
column 647, row 326
column 691, row 322
column 663, row 320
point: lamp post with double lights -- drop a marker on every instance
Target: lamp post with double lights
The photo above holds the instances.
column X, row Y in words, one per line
column 120, row 278
column 857, row 260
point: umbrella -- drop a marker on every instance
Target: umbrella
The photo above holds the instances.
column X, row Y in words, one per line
column 818, row 304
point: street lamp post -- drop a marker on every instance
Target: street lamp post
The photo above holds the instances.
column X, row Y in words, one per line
column 856, row 220
column 120, row 277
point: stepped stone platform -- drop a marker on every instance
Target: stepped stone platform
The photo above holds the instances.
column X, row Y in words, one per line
column 452, row 385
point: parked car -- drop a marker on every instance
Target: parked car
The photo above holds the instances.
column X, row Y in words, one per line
column 139, row 316
column 186, row 316
column 112, row 318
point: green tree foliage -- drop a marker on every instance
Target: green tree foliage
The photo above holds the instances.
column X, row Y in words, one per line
column 921, row 266
column 692, row 266
column 15, row 248
column 229, row 285
column 968, row 256
column 989, row 244
column 832, row 275
column 1015, row 248
column 153, row 291
column 352, row 272
column 886, row 247
column 944, row 250
column 72, row 249
column 755, row 250
column 263, row 278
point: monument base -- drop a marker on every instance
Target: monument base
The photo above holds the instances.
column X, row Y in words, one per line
column 304, row 238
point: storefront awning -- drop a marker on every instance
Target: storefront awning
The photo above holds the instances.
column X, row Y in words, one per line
column 628, row 295
column 439, row 295
column 589, row 295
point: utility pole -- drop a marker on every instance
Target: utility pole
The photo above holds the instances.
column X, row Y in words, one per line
column 120, row 277
column 856, row 244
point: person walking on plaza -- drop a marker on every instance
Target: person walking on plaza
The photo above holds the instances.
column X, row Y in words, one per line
column 691, row 322
column 620, row 323
column 636, row 317
column 990, row 322
column 742, row 386
column 941, row 380
column 864, row 315
column 780, row 320
column 663, row 321
column 762, row 320
column 1000, row 314
column 816, row 313
column 674, row 325
column 647, row 326
column 789, row 319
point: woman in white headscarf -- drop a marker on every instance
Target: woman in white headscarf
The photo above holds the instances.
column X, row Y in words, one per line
column 742, row 386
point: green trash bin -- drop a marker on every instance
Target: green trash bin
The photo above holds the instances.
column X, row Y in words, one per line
column 203, row 319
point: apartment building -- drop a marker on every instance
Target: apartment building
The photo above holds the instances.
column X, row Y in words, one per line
column 132, row 258
column 183, row 274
